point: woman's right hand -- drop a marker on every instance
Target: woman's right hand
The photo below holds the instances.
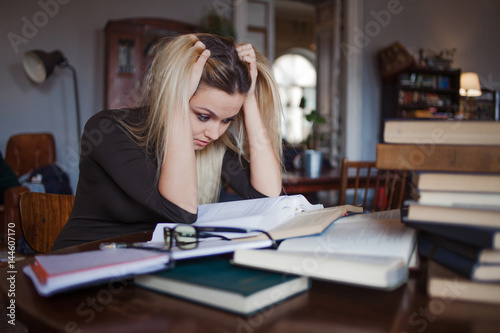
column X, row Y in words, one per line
column 198, row 67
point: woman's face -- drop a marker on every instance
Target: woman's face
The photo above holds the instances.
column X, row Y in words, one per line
column 212, row 111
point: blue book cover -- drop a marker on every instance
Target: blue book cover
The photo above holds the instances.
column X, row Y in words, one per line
column 464, row 265
column 483, row 237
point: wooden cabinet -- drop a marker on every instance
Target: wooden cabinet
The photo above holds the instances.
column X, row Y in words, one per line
column 129, row 51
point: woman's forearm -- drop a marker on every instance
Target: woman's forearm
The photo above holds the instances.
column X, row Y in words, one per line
column 265, row 171
column 178, row 181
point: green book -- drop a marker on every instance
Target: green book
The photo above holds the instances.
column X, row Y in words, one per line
column 214, row 281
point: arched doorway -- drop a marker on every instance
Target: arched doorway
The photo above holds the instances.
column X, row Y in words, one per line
column 296, row 77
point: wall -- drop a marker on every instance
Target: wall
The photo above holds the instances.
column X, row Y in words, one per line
column 294, row 26
column 470, row 26
column 76, row 28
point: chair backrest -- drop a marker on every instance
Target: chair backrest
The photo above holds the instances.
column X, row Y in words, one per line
column 379, row 189
column 30, row 151
column 42, row 216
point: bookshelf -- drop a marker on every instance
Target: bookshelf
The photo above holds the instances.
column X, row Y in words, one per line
column 421, row 92
column 484, row 107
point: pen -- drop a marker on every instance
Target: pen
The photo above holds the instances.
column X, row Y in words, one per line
column 139, row 245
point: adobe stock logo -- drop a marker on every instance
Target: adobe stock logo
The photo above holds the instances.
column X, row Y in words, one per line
column 30, row 28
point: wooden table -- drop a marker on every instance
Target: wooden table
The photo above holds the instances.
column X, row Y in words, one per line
column 327, row 307
column 296, row 182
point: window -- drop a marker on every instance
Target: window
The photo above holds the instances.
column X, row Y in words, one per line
column 296, row 78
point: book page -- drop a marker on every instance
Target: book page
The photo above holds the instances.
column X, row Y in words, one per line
column 361, row 235
column 308, row 223
column 262, row 214
column 394, row 214
column 275, row 209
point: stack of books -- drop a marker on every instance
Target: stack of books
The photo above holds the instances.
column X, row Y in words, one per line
column 455, row 200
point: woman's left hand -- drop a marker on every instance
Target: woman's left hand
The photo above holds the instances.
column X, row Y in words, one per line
column 247, row 54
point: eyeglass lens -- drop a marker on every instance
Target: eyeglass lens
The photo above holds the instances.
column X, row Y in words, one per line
column 185, row 237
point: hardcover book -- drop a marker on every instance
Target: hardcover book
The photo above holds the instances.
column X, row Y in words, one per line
column 55, row 273
column 214, row 281
column 458, row 260
column 442, row 132
column 443, row 282
column 458, row 182
column 483, row 237
column 430, row 157
column 372, row 250
column 454, row 215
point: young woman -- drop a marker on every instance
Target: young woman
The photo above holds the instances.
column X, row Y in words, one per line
column 210, row 114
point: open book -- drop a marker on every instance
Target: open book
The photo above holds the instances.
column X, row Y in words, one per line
column 363, row 249
column 282, row 217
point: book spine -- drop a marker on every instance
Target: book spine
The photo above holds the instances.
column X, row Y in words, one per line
column 467, row 251
column 456, row 158
column 475, row 236
column 449, row 259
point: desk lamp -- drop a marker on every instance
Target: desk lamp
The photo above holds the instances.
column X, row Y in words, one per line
column 469, row 87
column 39, row 65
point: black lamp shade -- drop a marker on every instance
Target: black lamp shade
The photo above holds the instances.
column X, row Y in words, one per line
column 39, row 65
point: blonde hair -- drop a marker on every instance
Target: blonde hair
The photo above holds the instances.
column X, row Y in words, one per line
column 166, row 88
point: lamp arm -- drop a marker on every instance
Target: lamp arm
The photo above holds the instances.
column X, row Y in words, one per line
column 77, row 101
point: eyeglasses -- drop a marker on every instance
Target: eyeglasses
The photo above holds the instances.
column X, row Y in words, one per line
column 187, row 236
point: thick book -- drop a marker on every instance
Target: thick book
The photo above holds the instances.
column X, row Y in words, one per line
column 371, row 250
column 457, row 182
column 455, row 158
column 470, row 252
column 282, row 217
column 56, row 273
column 459, row 260
column 454, row 215
column 449, row 286
column 214, row 281
column 441, row 132
column 483, row 237
column 481, row 200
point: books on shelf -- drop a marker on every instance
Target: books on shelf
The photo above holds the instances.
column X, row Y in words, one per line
column 445, row 284
column 282, row 217
column 442, row 132
column 55, row 273
column 214, row 281
column 372, row 250
column 439, row 157
column 473, row 263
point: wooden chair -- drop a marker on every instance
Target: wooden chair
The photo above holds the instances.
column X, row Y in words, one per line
column 386, row 188
column 43, row 215
column 25, row 152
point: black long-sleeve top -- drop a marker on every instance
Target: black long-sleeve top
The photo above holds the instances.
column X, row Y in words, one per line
column 117, row 190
